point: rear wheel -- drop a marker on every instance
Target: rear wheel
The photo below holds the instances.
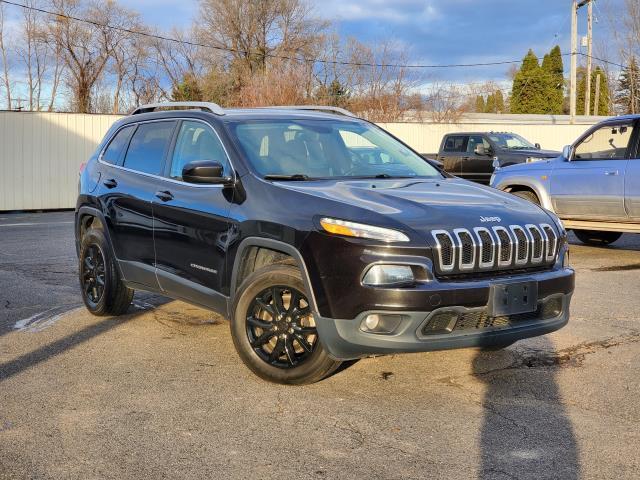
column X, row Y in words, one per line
column 274, row 331
column 527, row 195
column 103, row 291
column 597, row 238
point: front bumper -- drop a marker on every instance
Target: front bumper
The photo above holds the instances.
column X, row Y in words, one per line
column 344, row 340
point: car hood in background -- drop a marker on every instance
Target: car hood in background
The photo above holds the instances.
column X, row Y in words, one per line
column 425, row 205
column 536, row 153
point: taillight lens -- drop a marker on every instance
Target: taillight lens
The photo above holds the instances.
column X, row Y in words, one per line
column 82, row 167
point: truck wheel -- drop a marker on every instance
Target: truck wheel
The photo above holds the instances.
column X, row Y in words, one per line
column 274, row 331
column 597, row 238
column 103, row 291
column 527, row 195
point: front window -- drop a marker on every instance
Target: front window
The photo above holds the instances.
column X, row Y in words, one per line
column 511, row 141
column 326, row 149
column 606, row 143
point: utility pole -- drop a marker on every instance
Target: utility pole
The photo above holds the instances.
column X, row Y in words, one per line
column 575, row 5
column 574, row 64
column 597, row 99
column 587, row 92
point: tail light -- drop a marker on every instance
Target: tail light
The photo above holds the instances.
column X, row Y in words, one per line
column 82, row 167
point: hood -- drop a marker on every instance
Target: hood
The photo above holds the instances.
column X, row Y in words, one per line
column 423, row 205
column 536, row 153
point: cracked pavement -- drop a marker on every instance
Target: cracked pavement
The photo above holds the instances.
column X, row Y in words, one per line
column 161, row 393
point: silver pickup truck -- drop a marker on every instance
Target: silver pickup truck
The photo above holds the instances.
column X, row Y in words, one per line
column 594, row 187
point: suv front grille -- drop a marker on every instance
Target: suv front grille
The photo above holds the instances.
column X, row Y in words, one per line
column 500, row 248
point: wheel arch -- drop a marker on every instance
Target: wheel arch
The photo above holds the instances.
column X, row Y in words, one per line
column 526, row 185
column 89, row 217
column 252, row 245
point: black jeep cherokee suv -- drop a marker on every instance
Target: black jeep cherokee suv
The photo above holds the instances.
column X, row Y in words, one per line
column 319, row 235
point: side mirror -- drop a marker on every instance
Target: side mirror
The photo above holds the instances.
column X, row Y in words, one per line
column 435, row 163
column 567, row 152
column 537, row 145
column 480, row 150
column 204, row 172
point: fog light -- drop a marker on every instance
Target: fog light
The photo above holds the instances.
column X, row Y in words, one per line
column 380, row 323
column 386, row 275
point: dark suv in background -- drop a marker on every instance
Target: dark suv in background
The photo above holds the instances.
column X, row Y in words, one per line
column 320, row 236
column 474, row 156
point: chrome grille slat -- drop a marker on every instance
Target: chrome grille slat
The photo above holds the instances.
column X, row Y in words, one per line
column 498, row 247
column 446, row 249
column 487, row 247
column 505, row 246
column 466, row 249
column 537, row 243
column 552, row 242
column 521, row 246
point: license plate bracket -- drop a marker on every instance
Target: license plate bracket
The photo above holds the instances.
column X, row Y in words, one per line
column 513, row 298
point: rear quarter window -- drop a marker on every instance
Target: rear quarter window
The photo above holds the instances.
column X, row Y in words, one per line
column 117, row 145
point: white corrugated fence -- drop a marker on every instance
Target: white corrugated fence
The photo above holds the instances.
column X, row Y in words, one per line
column 41, row 153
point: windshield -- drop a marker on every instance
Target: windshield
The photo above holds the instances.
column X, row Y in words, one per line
column 304, row 149
column 511, row 141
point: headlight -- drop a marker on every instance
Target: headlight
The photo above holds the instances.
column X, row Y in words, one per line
column 535, row 159
column 386, row 275
column 360, row 230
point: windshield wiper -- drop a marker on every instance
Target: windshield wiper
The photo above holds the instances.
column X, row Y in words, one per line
column 296, row 177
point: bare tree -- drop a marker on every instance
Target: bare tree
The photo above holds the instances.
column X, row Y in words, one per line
column 443, row 103
column 5, row 60
column 86, row 48
column 253, row 33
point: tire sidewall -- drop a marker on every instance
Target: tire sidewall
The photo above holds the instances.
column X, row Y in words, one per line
column 95, row 237
column 313, row 369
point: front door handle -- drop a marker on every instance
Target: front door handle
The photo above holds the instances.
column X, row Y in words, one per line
column 611, row 172
column 164, row 195
column 466, row 158
column 111, row 183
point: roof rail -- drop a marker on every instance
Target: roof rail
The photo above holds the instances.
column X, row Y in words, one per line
column 317, row 108
column 207, row 106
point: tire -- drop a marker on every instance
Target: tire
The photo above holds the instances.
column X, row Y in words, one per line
column 597, row 238
column 103, row 291
column 527, row 195
column 275, row 339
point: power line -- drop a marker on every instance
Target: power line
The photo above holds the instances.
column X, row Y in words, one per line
column 268, row 55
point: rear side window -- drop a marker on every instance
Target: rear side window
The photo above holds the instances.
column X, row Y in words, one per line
column 455, row 144
column 148, row 147
column 117, row 145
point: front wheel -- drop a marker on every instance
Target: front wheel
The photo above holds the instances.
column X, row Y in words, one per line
column 597, row 238
column 274, row 331
column 527, row 195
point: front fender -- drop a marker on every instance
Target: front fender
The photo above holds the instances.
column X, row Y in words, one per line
column 538, row 183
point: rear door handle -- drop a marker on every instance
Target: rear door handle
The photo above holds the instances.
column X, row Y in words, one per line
column 611, row 172
column 111, row 183
column 164, row 195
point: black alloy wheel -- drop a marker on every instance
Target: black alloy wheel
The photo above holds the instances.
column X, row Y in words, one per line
column 280, row 327
column 93, row 274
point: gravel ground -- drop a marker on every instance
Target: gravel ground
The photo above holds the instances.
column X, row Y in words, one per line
column 161, row 393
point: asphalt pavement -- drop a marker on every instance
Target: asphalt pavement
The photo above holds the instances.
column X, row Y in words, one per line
column 161, row 393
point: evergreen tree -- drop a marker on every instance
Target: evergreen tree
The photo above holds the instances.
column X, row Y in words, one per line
column 529, row 93
column 604, row 101
column 480, row 105
column 628, row 88
column 499, row 99
column 553, row 69
column 187, row 91
column 490, row 107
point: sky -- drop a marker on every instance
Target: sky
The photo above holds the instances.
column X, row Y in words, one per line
column 437, row 31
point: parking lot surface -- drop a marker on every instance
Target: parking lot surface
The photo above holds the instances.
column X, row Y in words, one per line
column 161, row 393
